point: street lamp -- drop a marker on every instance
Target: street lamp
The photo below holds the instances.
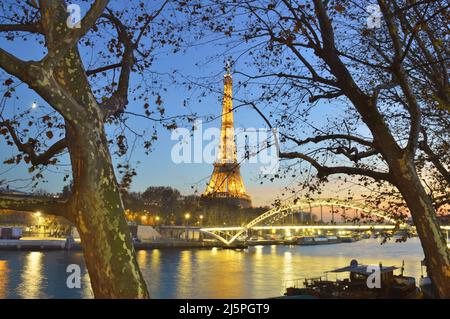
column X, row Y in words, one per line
column 201, row 219
column 156, row 221
column 187, row 216
column 144, row 218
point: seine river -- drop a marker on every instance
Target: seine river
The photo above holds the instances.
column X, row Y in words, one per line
column 258, row 272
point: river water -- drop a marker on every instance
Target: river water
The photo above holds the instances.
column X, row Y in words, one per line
column 257, row 272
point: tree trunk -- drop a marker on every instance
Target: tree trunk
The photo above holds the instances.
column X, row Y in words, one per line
column 97, row 210
column 424, row 217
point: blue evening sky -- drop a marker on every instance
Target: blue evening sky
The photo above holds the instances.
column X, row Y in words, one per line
column 157, row 168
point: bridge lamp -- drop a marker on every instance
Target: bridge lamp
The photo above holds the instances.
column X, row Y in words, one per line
column 187, row 215
column 201, row 217
column 144, row 218
column 157, row 218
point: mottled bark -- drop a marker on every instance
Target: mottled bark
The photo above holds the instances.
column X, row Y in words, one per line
column 95, row 206
column 424, row 216
column 96, row 209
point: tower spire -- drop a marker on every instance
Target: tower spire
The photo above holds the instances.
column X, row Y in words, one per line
column 228, row 66
column 226, row 181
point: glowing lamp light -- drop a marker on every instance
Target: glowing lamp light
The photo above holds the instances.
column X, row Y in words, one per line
column 187, row 216
column 38, row 214
column 157, row 218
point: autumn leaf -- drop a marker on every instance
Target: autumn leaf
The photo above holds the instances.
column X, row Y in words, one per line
column 9, row 161
column 8, row 82
column 339, row 8
column 158, row 100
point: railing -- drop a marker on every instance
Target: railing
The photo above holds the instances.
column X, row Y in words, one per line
column 302, row 282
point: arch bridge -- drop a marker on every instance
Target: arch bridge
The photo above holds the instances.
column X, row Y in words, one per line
column 222, row 233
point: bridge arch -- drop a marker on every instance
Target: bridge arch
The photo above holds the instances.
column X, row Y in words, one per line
column 285, row 209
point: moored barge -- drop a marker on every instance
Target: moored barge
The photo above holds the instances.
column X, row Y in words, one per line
column 359, row 284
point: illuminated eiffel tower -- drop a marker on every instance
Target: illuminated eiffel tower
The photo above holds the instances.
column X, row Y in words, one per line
column 226, row 184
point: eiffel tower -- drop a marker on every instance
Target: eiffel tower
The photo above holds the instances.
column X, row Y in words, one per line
column 226, row 184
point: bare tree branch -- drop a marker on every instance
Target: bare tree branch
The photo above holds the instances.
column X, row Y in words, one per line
column 103, row 69
column 14, row 66
column 117, row 102
column 320, row 138
column 33, row 28
column 33, row 4
column 353, row 154
column 327, row 95
column 323, row 171
column 424, row 146
column 399, row 71
column 119, row 99
column 35, row 159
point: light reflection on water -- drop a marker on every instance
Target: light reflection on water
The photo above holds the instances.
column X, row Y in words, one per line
column 258, row 272
column 4, row 279
column 33, row 281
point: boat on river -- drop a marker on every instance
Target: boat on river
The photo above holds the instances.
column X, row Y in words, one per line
column 350, row 238
column 361, row 284
column 316, row 240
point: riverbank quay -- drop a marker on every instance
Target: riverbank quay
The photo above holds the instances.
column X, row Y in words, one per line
column 32, row 244
column 53, row 243
column 49, row 244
